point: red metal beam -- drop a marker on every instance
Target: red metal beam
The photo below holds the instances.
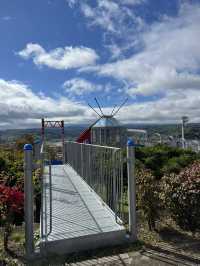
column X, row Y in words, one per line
column 54, row 124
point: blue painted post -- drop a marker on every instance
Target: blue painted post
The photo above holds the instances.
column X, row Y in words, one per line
column 131, row 189
column 28, row 200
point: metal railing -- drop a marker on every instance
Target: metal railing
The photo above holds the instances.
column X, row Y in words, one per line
column 44, row 185
column 101, row 167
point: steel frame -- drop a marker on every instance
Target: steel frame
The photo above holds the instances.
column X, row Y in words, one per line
column 54, row 124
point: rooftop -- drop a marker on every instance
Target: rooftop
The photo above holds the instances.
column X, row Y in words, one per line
column 107, row 121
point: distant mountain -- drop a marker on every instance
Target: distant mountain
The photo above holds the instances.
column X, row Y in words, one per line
column 71, row 132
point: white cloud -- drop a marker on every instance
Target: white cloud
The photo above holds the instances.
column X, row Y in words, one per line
column 102, row 15
column 133, row 2
column 167, row 64
column 117, row 19
column 21, row 107
column 112, row 16
column 79, row 86
column 60, row 58
column 169, row 109
column 170, row 58
column 71, row 3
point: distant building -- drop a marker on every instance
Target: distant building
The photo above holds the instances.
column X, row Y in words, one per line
column 109, row 132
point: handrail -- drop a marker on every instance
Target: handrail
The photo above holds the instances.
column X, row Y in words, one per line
column 42, row 188
column 43, row 196
column 101, row 168
column 50, row 198
column 94, row 145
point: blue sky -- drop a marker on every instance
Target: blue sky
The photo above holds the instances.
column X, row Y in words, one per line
column 58, row 55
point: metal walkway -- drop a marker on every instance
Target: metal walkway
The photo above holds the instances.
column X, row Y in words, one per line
column 80, row 219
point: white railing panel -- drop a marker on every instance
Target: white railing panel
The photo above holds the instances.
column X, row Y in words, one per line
column 102, row 169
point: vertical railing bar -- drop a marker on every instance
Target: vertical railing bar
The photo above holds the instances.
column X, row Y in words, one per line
column 42, row 191
column 45, row 202
column 50, row 198
column 109, row 184
column 104, row 174
column 122, row 185
column 117, row 183
column 102, row 168
column 86, row 163
column 89, row 154
column 114, row 183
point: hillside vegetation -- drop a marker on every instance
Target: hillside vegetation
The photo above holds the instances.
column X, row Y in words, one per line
column 168, row 185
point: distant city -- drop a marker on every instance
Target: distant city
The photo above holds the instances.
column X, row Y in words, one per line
column 192, row 131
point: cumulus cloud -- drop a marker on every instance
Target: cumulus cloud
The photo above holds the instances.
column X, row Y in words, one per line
column 20, row 106
column 168, row 109
column 59, row 58
column 79, row 86
column 170, row 58
column 166, row 66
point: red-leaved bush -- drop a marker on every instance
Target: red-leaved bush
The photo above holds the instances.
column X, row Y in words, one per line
column 11, row 200
column 11, row 203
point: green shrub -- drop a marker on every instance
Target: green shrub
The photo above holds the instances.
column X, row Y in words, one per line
column 162, row 160
column 172, row 166
column 182, row 195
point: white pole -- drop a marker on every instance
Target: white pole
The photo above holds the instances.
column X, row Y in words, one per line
column 131, row 189
column 28, row 199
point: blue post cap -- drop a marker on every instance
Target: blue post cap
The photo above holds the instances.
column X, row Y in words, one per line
column 130, row 143
column 28, row 147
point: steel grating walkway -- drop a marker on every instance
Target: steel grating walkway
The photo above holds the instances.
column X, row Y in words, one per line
column 80, row 220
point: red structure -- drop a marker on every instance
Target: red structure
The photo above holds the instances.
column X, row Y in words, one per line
column 85, row 136
column 54, row 124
